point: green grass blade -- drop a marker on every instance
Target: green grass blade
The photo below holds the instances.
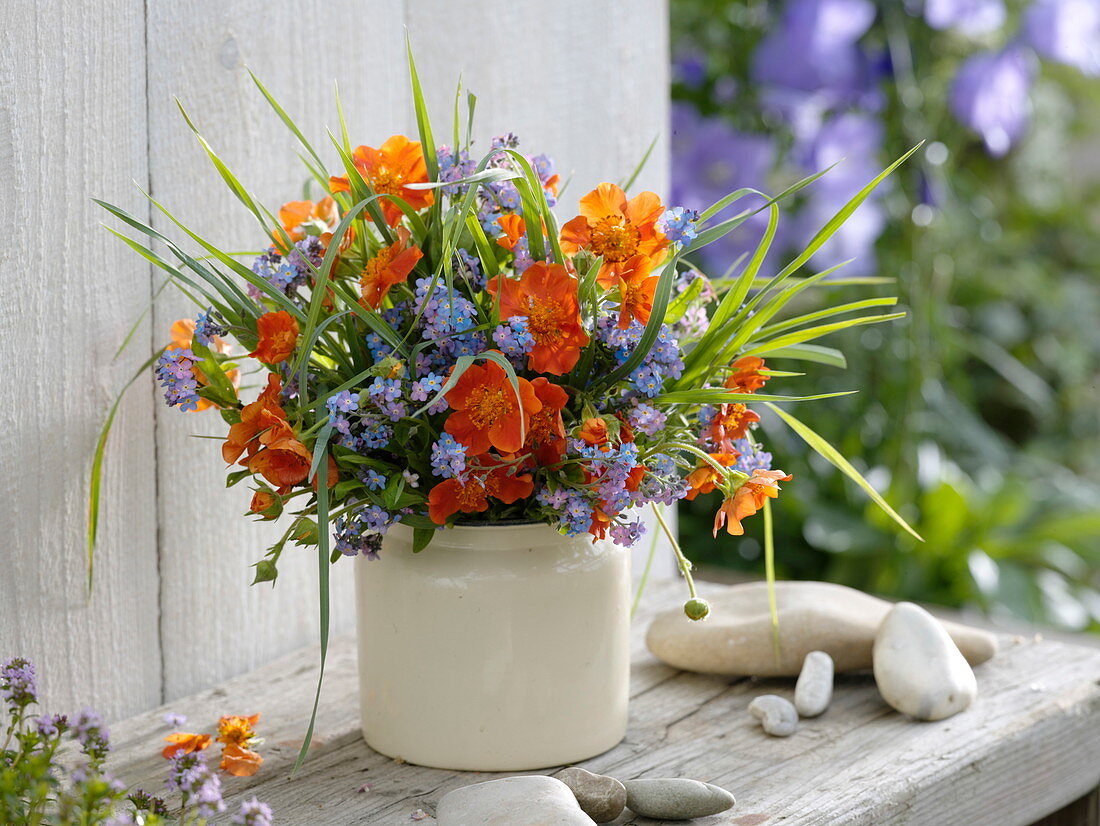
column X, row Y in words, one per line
column 814, row 353
column 811, row 333
column 96, row 477
column 840, row 309
column 833, row 456
column 718, row 395
column 322, row 578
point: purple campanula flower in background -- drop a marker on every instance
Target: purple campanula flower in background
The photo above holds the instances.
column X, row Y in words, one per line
column 690, row 70
column 971, row 17
column 853, row 142
column 813, row 51
column 990, row 96
column 1067, row 31
column 710, row 159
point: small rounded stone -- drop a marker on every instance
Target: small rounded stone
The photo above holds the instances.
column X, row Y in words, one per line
column 814, row 690
column 601, row 798
column 675, row 798
column 776, row 715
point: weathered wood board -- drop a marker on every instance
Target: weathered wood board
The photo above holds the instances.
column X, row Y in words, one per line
column 1029, row 746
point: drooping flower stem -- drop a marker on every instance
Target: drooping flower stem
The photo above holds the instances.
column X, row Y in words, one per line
column 682, row 562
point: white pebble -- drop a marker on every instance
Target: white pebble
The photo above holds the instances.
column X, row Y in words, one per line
column 776, row 715
column 814, row 690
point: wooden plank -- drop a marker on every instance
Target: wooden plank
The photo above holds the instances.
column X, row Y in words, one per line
column 213, row 624
column 73, row 122
column 1029, row 746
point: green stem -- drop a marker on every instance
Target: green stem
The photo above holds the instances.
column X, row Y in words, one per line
column 645, row 575
column 769, row 572
column 682, row 562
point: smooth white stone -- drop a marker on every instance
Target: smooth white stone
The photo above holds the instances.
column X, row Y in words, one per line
column 736, row 639
column 918, row 669
column 814, row 690
column 531, row 801
column 776, row 715
column 676, row 798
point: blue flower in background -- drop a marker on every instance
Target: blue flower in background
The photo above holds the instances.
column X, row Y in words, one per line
column 814, row 52
column 852, row 141
column 990, row 95
column 1067, row 31
column 709, row 160
column 971, row 17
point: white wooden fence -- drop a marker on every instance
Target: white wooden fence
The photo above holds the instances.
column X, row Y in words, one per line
column 86, row 106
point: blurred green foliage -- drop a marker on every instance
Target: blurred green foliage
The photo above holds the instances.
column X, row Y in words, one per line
column 979, row 415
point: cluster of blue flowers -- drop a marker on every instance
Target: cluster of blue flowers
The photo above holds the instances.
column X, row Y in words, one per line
column 425, row 389
column 446, row 318
column 646, row 419
column 288, row 273
column 752, row 456
column 358, row 430
column 359, row 531
column 448, row 457
column 678, row 225
column 176, row 374
column 514, row 339
column 661, row 363
column 208, row 326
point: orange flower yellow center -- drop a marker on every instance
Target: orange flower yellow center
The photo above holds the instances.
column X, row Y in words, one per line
column 486, row 406
column 544, row 320
column 616, row 239
column 386, row 181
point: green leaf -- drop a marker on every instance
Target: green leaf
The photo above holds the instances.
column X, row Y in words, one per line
column 236, row 476
column 96, row 476
column 811, row 333
column 833, row 456
column 718, row 395
column 323, row 584
column 815, row 353
column 421, row 538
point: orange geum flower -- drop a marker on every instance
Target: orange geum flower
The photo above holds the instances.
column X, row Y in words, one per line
column 256, row 418
column 389, row 170
column 266, row 505
column 616, row 229
column 487, row 412
column 514, row 228
column 278, row 333
column 239, row 761
column 706, row 477
column 746, row 376
column 295, row 215
column 284, row 462
column 594, row 431
column 546, row 430
column 182, row 742
column 470, row 495
column 236, row 729
column 748, row 499
column 389, row 267
column 636, row 289
column 547, row 295
column 731, row 421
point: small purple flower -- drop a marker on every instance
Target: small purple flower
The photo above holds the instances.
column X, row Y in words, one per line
column 49, row 725
column 1067, row 31
column 89, row 730
column 386, row 395
column 646, row 419
column 373, row 479
column 514, row 338
column 207, row 326
column 448, row 457
column 990, row 96
column 175, row 372
column 678, row 224
column 253, row 813
column 627, row 534
column 18, row 683
column 197, row 786
column 690, row 70
column 971, row 17
column 174, row 720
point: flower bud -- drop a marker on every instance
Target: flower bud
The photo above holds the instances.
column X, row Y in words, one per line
column 696, row 609
column 266, row 504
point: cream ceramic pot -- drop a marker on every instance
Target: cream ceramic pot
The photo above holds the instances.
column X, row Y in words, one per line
column 497, row 648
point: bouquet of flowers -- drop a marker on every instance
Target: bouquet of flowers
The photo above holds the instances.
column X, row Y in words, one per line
column 424, row 344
